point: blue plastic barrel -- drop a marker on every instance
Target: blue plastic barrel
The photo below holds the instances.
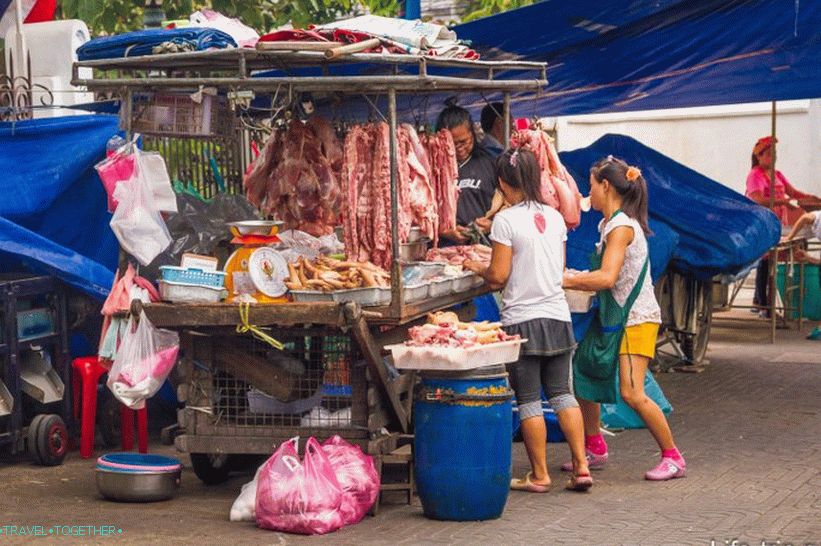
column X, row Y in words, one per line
column 462, row 444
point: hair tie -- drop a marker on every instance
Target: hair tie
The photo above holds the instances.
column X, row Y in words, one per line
column 632, row 174
column 514, row 158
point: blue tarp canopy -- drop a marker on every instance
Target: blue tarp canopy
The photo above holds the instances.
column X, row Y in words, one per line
column 607, row 56
column 53, row 216
column 700, row 226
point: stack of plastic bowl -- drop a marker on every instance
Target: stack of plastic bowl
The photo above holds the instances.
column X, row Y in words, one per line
column 134, row 477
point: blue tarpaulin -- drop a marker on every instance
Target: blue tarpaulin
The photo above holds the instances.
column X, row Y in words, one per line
column 142, row 42
column 53, row 216
column 606, row 56
column 717, row 230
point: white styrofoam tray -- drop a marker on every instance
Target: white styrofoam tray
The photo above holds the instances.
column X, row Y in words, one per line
column 464, row 282
column 366, row 297
column 442, row 287
column 454, row 358
column 416, row 292
column 311, row 296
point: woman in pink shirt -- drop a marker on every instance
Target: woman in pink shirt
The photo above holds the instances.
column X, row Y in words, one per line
column 786, row 205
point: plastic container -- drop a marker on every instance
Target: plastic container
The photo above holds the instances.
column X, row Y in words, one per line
column 812, row 291
column 190, row 293
column 214, row 279
column 259, row 402
column 34, row 323
column 442, row 287
column 455, row 358
column 579, row 301
column 311, row 296
column 366, row 297
column 416, row 292
column 462, row 447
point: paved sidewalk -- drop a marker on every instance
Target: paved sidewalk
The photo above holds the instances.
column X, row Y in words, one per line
column 748, row 426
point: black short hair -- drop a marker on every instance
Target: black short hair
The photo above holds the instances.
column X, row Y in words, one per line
column 490, row 113
column 453, row 116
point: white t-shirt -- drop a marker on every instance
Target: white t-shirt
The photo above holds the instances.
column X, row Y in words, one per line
column 645, row 308
column 537, row 234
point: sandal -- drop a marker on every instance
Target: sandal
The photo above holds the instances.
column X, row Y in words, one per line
column 517, row 484
column 579, row 482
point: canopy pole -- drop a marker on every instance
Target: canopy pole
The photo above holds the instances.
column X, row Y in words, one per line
column 396, row 268
column 506, row 119
column 772, row 164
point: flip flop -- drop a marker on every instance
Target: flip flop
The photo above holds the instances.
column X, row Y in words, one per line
column 517, row 484
column 579, row 482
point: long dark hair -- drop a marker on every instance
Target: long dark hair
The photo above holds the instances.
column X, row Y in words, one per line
column 632, row 188
column 754, row 160
column 520, row 170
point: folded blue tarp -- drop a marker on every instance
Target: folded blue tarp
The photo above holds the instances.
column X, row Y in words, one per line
column 719, row 230
column 141, row 42
column 53, row 216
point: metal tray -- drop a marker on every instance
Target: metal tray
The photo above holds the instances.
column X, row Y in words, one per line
column 441, row 287
column 416, row 292
column 366, row 297
column 311, row 296
column 464, row 282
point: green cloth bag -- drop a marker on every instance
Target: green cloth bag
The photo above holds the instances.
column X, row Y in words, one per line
column 596, row 360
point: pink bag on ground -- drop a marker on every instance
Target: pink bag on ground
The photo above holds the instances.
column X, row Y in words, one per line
column 296, row 497
column 357, row 476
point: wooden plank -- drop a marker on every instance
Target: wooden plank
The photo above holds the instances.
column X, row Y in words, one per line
column 373, row 356
column 169, row 315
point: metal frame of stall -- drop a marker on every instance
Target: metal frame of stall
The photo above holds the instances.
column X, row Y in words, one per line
column 231, row 71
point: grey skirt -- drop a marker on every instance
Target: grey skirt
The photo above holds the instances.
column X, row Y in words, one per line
column 545, row 337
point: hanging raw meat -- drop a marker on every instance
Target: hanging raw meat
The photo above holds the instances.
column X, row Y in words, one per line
column 559, row 190
column 444, row 173
column 420, row 193
column 296, row 177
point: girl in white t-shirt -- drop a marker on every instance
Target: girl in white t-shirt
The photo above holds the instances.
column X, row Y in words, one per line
column 812, row 219
column 528, row 261
column 619, row 192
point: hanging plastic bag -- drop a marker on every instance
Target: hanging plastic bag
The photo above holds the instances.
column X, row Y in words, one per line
column 151, row 167
column 115, row 168
column 357, row 476
column 137, row 223
column 143, row 362
column 294, row 497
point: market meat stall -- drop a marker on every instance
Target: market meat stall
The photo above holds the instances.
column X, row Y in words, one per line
column 241, row 395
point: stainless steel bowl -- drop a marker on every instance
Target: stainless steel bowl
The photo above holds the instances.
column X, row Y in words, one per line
column 415, row 234
column 255, row 227
column 138, row 486
column 415, row 251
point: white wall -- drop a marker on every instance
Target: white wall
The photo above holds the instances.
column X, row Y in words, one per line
column 716, row 141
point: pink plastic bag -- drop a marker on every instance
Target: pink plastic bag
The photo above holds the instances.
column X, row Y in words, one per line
column 357, row 476
column 296, row 497
column 144, row 360
column 114, row 169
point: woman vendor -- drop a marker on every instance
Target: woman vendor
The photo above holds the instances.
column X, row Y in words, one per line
column 787, row 203
column 477, row 174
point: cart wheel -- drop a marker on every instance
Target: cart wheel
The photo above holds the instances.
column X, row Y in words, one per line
column 47, row 440
column 211, row 468
column 32, row 434
column 694, row 346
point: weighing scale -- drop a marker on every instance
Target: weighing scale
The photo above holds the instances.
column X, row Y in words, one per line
column 255, row 268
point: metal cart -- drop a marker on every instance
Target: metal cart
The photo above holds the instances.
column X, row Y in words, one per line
column 334, row 352
column 35, row 397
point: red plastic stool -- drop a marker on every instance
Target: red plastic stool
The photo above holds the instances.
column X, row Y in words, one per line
column 85, row 377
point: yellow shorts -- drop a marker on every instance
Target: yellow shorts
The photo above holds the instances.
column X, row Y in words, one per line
column 640, row 340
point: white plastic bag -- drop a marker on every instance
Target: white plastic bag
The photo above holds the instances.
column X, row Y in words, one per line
column 245, row 507
column 137, row 223
column 143, row 362
column 152, row 168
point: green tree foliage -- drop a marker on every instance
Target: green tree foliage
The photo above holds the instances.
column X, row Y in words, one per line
column 116, row 16
column 477, row 9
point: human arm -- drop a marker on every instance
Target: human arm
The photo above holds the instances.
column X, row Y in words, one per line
column 805, row 219
column 457, row 235
column 604, row 278
column 802, row 256
column 795, row 193
column 764, row 201
column 498, row 272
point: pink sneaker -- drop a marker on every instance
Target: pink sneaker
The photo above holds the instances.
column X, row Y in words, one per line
column 667, row 469
column 594, row 462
